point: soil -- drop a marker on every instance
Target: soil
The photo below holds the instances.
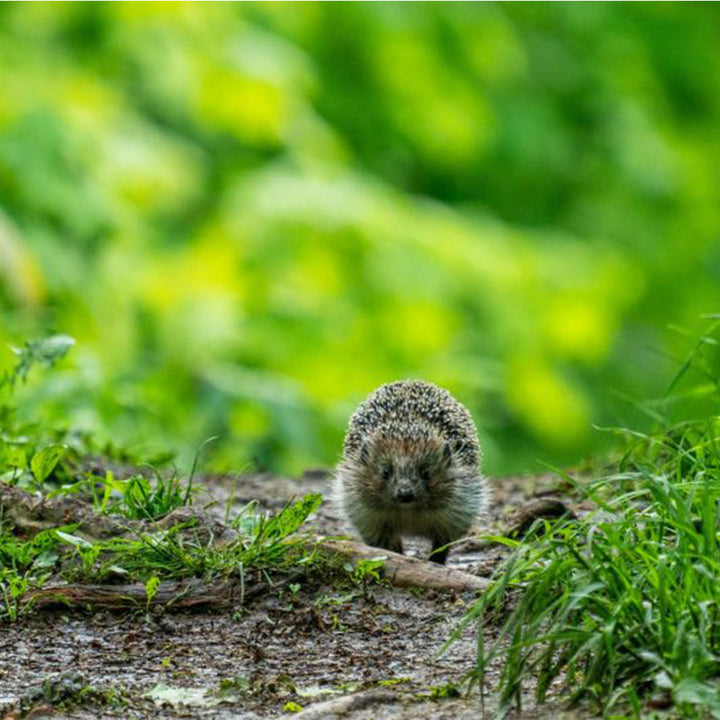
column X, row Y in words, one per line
column 354, row 653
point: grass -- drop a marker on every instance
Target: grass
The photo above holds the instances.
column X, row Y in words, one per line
column 624, row 603
column 135, row 497
column 263, row 544
column 610, row 608
column 263, row 547
column 41, row 461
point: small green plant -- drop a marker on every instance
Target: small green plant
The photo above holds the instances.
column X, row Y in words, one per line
column 46, row 351
column 625, row 601
column 263, row 538
column 13, row 586
column 135, row 497
column 27, row 455
column 24, row 565
column 263, row 545
column 151, row 588
column 366, row 571
column 142, row 499
column 45, row 460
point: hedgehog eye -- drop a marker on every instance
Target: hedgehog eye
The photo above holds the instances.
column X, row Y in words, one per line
column 424, row 473
column 386, row 471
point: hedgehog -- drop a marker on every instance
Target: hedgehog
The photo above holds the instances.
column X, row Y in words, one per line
column 411, row 467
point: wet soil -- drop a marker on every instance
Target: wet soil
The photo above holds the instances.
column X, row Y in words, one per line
column 314, row 648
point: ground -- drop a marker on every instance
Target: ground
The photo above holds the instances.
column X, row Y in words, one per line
column 353, row 653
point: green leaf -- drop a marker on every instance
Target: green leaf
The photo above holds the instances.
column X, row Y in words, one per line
column 15, row 456
column 46, row 559
column 293, row 516
column 73, row 539
column 45, row 460
column 46, row 352
column 151, row 588
column 117, row 570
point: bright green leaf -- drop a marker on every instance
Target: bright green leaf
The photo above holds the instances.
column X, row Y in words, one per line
column 44, row 461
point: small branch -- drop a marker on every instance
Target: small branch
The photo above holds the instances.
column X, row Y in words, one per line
column 180, row 595
column 402, row 571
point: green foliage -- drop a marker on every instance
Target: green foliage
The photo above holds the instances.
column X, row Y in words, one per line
column 23, row 565
column 366, row 571
column 151, row 588
column 625, row 601
column 47, row 352
column 264, row 544
column 135, row 497
column 142, row 499
column 12, row 588
column 28, row 455
column 67, row 691
column 263, row 541
column 249, row 214
column 45, row 460
column 263, row 538
column 21, row 555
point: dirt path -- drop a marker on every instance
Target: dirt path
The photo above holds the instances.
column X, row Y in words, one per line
column 348, row 654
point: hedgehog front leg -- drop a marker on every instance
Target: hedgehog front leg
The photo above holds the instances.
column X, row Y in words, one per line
column 439, row 552
column 386, row 539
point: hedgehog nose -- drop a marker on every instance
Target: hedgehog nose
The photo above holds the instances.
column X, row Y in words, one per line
column 405, row 495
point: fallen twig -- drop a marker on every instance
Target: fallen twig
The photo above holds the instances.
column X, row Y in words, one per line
column 403, row 571
column 179, row 595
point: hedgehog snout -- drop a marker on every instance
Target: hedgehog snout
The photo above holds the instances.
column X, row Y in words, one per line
column 405, row 494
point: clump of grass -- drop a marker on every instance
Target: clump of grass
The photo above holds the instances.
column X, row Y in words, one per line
column 622, row 603
column 136, row 497
column 24, row 564
column 263, row 544
column 141, row 499
column 266, row 545
column 39, row 462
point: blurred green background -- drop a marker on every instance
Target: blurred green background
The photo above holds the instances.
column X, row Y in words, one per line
column 249, row 215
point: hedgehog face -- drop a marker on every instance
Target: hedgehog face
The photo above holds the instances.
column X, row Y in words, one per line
column 406, row 472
